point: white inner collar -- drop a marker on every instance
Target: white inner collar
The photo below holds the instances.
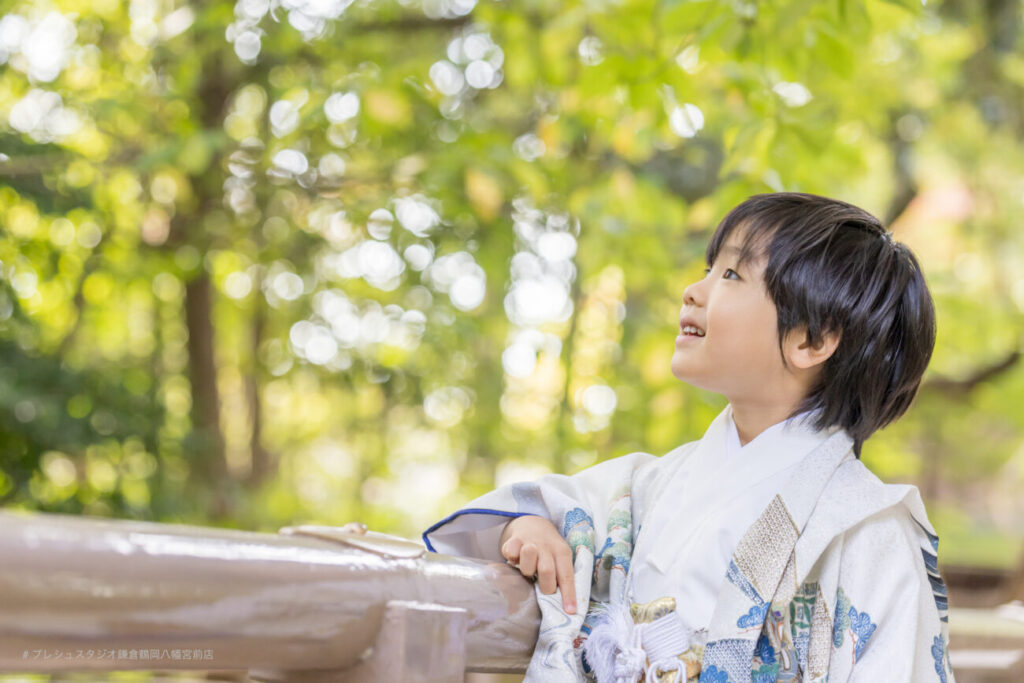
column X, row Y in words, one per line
column 798, row 426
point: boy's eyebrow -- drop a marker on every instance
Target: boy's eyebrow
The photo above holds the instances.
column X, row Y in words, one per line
column 730, row 250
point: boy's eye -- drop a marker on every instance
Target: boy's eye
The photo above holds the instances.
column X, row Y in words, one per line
column 707, row 271
column 731, row 274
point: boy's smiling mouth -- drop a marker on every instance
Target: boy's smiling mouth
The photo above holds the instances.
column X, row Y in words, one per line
column 688, row 329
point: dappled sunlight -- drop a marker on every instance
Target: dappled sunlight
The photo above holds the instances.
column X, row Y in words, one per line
column 541, row 270
column 793, row 94
column 596, row 350
column 537, row 304
column 42, row 115
column 40, row 46
column 686, row 120
column 376, row 262
column 446, row 406
column 460, row 277
column 416, row 214
column 473, row 63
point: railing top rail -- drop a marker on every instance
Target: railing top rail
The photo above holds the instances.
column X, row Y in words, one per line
column 309, row 598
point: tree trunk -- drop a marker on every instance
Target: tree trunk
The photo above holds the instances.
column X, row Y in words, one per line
column 208, row 463
column 262, row 463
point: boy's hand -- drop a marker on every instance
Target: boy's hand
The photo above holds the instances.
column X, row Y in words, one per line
column 536, row 546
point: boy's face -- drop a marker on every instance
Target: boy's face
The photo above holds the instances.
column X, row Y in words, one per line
column 734, row 350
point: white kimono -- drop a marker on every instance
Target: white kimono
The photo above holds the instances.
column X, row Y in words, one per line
column 785, row 559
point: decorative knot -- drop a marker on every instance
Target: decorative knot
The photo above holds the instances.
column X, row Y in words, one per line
column 618, row 650
column 629, row 664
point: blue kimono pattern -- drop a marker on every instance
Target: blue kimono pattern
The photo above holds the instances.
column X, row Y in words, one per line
column 849, row 619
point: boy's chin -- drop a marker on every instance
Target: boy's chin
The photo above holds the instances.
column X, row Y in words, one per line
column 685, row 374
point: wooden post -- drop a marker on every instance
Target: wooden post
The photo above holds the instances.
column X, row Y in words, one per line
column 417, row 643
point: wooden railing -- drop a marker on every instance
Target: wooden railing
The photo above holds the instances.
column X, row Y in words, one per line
column 311, row 604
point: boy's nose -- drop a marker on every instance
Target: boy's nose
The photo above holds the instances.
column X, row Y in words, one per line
column 692, row 295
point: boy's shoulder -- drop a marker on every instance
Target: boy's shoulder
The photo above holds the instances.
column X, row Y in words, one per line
column 681, row 451
column 657, row 471
column 857, row 502
column 661, row 464
column 855, row 496
column 674, row 459
column 853, row 477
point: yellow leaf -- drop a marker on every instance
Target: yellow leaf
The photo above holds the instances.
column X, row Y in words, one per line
column 484, row 193
column 624, row 184
column 549, row 132
column 23, row 220
column 388, row 107
column 631, row 137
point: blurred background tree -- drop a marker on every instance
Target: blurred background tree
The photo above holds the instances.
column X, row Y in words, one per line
column 278, row 261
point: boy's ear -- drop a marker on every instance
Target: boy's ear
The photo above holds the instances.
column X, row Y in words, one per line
column 803, row 354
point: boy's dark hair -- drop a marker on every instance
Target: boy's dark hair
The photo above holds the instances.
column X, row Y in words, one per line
column 833, row 267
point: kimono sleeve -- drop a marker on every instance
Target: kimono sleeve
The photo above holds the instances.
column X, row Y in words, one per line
column 570, row 502
column 891, row 604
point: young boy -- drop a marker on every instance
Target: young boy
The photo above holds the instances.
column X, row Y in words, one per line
column 765, row 551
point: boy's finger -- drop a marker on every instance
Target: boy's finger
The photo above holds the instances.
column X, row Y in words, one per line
column 510, row 551
column 567, row 582
column 546, row 574
column 528, row 560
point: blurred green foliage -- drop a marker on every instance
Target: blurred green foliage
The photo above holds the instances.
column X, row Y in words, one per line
column 275, row 262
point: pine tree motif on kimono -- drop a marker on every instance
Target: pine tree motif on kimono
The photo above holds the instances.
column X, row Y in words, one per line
column 940, row 656
column 578, row 529
column 713, row 675
column 848, row 618
column 842, row 622
column 617, row 550
column 765, row 668
column 862, row 629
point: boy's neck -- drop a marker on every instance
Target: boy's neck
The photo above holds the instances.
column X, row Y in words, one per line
column 752, row 419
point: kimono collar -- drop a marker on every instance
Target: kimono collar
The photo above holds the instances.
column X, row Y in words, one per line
column 729, row 468
column 715, row 475
column 797, row 434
